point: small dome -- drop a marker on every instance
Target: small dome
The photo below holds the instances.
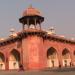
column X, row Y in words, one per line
column 31, row 11
column 13, row 35
column 2, row 39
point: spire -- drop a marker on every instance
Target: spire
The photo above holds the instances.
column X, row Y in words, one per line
column 30, row 6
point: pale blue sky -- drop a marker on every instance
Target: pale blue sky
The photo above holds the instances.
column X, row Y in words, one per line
column 58, row 13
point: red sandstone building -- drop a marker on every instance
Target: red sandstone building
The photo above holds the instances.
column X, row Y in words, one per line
column 34, row 48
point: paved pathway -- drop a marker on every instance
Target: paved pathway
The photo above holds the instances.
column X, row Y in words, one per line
column 70, row 71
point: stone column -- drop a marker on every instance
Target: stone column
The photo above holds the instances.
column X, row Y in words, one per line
column 60, row 59
column 35, row 22
column 28, row 22
column 40, row 25
column 72, row 59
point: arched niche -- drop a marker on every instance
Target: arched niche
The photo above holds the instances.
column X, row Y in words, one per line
column 14, row 59
column 66, row 59
column 52, row 57
column 2, row 61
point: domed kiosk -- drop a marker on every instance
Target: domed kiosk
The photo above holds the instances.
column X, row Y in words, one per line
column 31, row 16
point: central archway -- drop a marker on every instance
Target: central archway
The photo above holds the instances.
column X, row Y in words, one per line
column 52, row 57
column 14, row 59
column 66, row 58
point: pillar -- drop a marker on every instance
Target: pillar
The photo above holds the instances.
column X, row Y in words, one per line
column 23, row 27
column 21, row 54
column 28, row 22
column 40, row 25
column 60, row 59
column 35, row 22
column 72, row 59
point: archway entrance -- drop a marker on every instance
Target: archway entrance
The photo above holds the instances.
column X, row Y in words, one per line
column 2, row 62
column 66, row 58
column 52, row 58
column 14, row 59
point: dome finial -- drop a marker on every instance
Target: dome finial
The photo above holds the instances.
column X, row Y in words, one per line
column 30, row 6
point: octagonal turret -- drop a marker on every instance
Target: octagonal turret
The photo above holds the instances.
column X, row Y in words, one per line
column 31, row 16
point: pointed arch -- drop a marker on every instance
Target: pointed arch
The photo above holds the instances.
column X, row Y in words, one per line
column 51, row 51
column 65, row 51
column 16, row 54
column 14, row 59
column 66, row 58
column 52, row 57
column 2, row 61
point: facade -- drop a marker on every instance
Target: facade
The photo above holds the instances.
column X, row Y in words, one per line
column 33, row 48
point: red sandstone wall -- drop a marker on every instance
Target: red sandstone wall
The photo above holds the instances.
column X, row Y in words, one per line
column 59, row 48
column 6, row 50
column 33, row 51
